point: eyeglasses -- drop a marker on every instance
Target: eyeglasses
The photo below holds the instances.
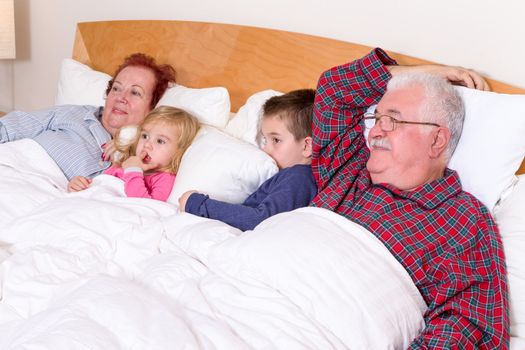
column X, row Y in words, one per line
column 388, row 123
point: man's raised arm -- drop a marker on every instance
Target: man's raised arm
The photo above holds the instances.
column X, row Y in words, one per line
column 343, row 95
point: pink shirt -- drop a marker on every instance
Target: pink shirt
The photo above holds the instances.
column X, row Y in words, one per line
column 136, row 184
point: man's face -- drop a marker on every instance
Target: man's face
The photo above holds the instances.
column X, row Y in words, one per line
column 401, row 157
column 129, row 99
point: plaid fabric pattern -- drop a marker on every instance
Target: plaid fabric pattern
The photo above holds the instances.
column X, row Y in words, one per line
column 444, row 237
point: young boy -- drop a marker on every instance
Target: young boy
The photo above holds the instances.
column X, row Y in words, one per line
column 286, row 131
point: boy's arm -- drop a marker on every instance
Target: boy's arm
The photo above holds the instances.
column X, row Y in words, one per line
column 236, row 215
column 285, row 194
column 343, row 95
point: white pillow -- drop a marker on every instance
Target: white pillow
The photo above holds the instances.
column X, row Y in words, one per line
column 510, row 216
column 245, row 123
column 492, row 145
column 223, row 167
column 80, row 85
column 210, row 105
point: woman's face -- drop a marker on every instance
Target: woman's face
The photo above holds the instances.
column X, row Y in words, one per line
column 129, row 99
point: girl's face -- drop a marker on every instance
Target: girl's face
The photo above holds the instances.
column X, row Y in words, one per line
column 157, row 144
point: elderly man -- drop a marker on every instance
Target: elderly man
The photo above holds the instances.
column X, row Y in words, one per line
column 400, row 189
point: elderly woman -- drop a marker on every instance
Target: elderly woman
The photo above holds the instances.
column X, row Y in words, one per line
column 75, row 136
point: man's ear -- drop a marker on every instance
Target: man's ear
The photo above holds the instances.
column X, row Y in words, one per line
column 440, row 141
column 307, row 147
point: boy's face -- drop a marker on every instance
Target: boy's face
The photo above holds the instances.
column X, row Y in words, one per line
column 279, row 143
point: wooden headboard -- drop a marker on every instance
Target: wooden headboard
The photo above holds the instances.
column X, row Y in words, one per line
column 243, row 59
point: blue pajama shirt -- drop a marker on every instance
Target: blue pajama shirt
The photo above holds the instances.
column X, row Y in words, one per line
column 289, row 189
column 71, row 135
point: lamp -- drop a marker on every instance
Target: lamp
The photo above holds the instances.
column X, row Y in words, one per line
column 7, row 51
column 7, row 29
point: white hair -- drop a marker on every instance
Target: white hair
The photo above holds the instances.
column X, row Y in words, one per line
column 442, row 105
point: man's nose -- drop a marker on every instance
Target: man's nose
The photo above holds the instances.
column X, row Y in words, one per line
column 376, row 130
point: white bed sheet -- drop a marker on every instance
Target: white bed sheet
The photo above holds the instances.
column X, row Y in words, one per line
column 96, row 270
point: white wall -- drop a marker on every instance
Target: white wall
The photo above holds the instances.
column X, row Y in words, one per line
column 484, row 34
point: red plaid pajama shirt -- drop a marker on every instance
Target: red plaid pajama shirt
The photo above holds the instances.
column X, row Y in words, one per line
column 444, row 237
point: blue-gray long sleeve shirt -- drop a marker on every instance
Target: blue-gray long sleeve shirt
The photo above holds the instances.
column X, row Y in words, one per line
column 71, row 135
column 289, row 189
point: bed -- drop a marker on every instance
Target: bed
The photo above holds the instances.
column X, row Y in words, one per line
column 97, row 270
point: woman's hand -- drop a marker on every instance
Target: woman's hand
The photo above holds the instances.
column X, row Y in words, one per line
column 109, row 151
column 78, row 183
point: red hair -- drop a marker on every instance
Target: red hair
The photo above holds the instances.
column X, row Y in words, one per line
column 164, row 74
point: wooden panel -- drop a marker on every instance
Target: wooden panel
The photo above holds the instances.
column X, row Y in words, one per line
column 242, row 59
column 521, row 170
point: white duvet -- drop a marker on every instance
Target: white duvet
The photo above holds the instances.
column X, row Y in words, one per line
column 96, row 270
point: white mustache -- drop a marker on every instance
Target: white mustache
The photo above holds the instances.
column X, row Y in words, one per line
column 379, row 142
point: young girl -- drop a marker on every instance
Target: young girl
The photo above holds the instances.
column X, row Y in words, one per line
column 148, row 164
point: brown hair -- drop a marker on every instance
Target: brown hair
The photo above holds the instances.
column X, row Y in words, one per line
column 164, row 74
column 186, row 126
column 295, row 108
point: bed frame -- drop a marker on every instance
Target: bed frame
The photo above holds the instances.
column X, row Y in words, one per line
column 243, row 59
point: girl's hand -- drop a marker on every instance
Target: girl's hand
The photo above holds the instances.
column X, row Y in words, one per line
column 78, row 183
column 138, row 161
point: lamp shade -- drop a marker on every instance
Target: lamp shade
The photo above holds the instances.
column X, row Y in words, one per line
column 7, row 29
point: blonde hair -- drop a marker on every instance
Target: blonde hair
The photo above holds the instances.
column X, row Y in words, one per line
column 186, row 127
